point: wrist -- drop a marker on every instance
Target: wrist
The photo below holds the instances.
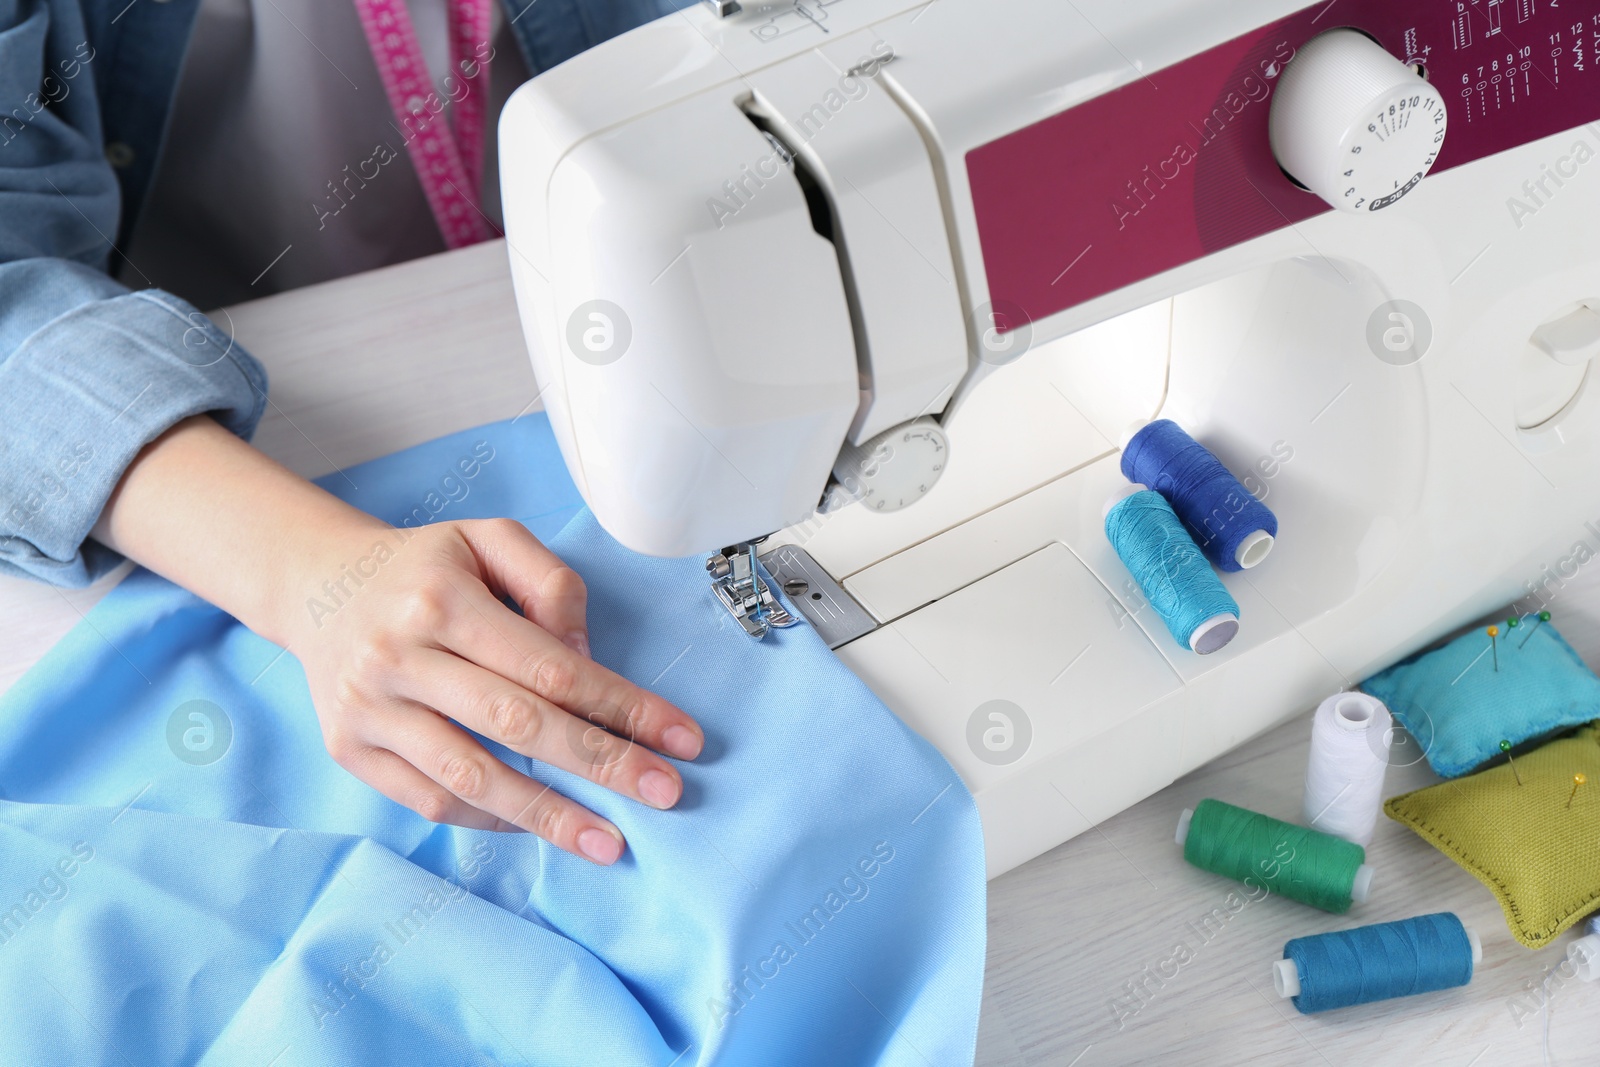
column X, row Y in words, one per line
column 204, row 509
column 320, row 572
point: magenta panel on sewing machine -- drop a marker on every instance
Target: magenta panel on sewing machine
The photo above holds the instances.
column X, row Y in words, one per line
column 1176, row 164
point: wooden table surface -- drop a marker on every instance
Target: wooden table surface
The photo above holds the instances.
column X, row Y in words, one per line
column 1080, row 938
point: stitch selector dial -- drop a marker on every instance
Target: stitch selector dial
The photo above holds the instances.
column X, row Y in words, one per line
column 1354, row 124
column 895, row 469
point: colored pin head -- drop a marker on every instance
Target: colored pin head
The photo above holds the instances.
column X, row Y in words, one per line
column 1544, row 617
column 1505, row 746
column 1577, row 780
column 1513, row 622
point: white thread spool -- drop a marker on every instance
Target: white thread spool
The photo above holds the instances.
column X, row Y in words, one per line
column 1350, row 738
column 1585, row 952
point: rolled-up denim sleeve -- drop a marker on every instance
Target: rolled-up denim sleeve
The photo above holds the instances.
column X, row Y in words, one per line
column 90, row 372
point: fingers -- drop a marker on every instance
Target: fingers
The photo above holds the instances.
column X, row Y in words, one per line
column 495, row 707
column 501, row 641
column 410, row 788
column 550, row 594
column 470, row 774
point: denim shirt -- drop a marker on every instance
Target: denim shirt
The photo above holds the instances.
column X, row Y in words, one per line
column 90, row 371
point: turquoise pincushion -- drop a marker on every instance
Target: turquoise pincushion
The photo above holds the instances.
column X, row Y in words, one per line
column 1459, row 708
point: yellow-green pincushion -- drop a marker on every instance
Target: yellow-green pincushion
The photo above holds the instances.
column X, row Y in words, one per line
column 1540, row 857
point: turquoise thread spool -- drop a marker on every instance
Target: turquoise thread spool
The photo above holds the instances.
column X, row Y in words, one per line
column 1171, row 570
column 1302, row 864
column 1378, row 962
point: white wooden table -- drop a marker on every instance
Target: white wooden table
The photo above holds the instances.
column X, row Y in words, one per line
column 367, row 365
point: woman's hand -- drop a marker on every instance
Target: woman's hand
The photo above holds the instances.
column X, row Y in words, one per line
column 405, row 641
column 402, row 664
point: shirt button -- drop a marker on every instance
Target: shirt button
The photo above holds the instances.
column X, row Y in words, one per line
column 119, row 155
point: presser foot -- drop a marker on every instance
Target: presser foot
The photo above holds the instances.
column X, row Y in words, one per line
column 737, row 582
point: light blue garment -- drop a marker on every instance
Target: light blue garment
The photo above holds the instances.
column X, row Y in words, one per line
column 1459, row 707
column 214, row 889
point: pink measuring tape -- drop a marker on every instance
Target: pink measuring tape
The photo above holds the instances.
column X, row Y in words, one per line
column 448, row 156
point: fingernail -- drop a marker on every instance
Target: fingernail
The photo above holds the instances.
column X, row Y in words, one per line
column 658, row 788
column 578, row 641
column 600, row 846
column 681, row 741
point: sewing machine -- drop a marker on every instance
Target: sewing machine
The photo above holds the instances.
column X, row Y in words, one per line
column 870, row 290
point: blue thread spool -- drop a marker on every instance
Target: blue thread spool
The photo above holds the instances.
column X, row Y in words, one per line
column 1379, row 962
column 1171, row 571
column 1232, row 527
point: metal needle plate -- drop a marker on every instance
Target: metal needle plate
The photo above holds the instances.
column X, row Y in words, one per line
column 824, row 603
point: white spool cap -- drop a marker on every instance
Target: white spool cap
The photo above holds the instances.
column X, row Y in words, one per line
column 1585, row 956
column 1253, row 549
column 1119, row 496
column 1361, row 889
column 1215, row 632
column 1476, row 943
column 1353, row 712
column 1286, row 979
column 1183, row 824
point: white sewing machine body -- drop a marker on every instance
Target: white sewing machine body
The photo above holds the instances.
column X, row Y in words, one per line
column 994, row 169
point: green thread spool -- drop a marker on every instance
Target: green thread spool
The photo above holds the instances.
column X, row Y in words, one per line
column 1307, row 865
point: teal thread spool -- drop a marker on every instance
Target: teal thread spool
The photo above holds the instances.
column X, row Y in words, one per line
column 1380, row 962
column 1171, row 570
column 1307, row 865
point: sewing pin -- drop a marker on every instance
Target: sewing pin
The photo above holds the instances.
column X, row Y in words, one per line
column 1505, row 746
column 1544, row 616
column 1577, row 780
column 1494, row 632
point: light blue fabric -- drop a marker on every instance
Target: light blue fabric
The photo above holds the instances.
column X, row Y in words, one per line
column 252, row 898
column 1459, row 708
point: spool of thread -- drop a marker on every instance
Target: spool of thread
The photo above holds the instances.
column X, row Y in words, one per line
column 1307, row 865
column 1350, row 738
column 1380, row 962
column 1233, row 528
column 1585, row 952
column 1171, row 571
